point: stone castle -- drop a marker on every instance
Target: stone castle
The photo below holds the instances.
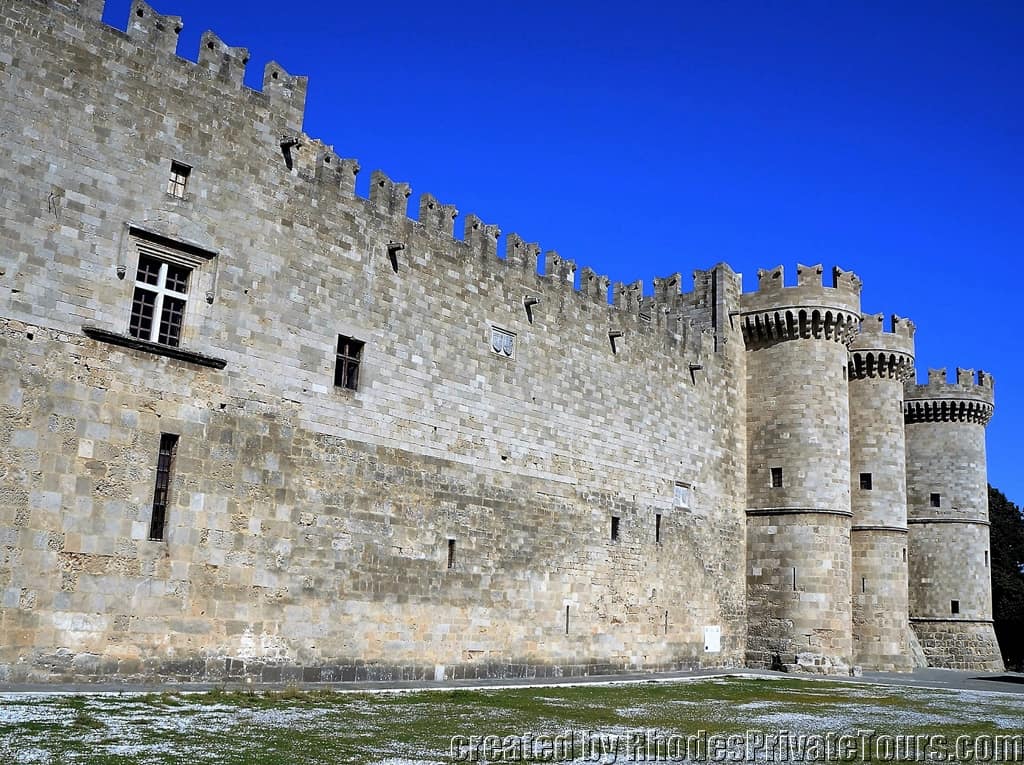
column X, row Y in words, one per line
column 255, row 426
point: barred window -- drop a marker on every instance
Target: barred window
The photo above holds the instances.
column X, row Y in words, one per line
column 177, row 183
column 158, row 304
column 346, row 370
column 161, row 490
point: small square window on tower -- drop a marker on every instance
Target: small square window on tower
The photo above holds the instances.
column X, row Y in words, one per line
column 503, row 343
column 615, row 528
column 349, row 357
column 865, row 481
column 681, row 495
column 936, row 500
column 954, row 606
column 177, row 183
column 776, row 478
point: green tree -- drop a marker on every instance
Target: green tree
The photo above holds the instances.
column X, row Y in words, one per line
column 1007, row 544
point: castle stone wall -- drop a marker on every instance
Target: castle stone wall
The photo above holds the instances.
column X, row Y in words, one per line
column 592, row 494
column 309, row 526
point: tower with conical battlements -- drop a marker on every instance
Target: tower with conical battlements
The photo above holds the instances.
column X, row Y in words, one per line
column 798, row 468
column 881, row 360
column 947, row 512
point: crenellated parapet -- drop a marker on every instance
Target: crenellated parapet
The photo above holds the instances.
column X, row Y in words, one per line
column 970, row 399
column 686, row 319
column 285, row 93
column 776, row 313
column 880, row 352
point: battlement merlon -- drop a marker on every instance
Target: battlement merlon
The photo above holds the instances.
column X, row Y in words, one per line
column 221, row 60
column 810, row 292
column 667, row 289
column 387, row 197
column 521, row 254
column 594, row 286
column 336, row 171
column 287, row 94
column 437, row 217
column 147, row 26
column 480, row 237
column 628, row 297
column 969, row 388
column 874, row 336
column 563, row 271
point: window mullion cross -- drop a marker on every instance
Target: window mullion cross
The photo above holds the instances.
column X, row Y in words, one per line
column 158, row 305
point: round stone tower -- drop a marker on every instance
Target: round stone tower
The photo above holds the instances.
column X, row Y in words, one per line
column 798, row 469
column 880, row 363
column 947, row 516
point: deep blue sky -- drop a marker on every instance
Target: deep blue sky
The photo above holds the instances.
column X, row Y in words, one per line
column 652, row 137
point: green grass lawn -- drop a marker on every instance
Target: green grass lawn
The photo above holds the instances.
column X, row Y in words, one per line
column 608, row 723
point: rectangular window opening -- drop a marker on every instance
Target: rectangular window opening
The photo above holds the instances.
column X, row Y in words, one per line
column 451, row 553
column 865, row 481
column 567, row 620
column 349, row 357
column 161, row 491
column 177, row 183
column 615, row 528
column 936, row 500
column 682, row 494
column 863, row 584
column 776, row 478
column 986, row 558
column 954, row 606
column 158, row 304
column 657, row 528
column 904, row 554
column 794, row 578
column 666, row 622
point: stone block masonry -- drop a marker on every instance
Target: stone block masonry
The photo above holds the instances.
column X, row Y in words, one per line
column 256, row 426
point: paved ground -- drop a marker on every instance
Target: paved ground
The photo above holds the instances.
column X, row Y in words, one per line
column 1003, row 682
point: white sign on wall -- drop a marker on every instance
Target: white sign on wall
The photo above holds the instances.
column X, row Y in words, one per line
column 712, row 639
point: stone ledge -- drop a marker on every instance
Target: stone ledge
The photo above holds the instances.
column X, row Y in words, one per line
column 126, row 341
column 761, row 511
column 940, row 619
column 965, row 521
